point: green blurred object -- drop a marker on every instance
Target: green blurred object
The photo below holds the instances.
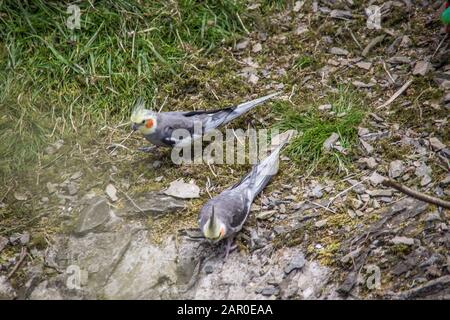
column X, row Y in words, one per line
column 445, row 16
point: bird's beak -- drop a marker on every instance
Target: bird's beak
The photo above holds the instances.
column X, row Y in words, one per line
column 134, row 127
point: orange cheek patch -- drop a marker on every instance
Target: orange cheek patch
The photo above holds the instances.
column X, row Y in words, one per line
column 149, row 123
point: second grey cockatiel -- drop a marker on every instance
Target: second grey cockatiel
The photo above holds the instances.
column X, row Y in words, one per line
column 224, row 215
column 159, row 128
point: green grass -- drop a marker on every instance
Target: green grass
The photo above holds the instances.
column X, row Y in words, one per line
column 315, row 127
column 54, row 79
column 303, row 62
column 269, row 5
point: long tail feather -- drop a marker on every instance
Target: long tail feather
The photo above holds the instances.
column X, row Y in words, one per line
column 229, row 114
column 260, row 175
column 246, row 106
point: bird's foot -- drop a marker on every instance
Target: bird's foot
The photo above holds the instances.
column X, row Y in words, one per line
column 229, row 247
column 149, row 149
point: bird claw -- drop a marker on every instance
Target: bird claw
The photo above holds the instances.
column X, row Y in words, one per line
column 149, row 149
column 229, row 247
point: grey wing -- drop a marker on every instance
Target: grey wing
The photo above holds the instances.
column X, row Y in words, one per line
column 209, row 119
column 217, row 119
column 240, row 208
column 230, row 206
column 174, row 127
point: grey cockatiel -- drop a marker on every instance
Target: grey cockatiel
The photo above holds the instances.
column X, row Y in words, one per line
column 224, row 215
column 158, row 128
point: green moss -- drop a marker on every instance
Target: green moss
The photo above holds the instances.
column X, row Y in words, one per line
column 38, row 241
column 400, row 249
column 327, row 254
column 303, row 62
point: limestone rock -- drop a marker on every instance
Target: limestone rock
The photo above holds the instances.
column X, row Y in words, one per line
column 94, row 215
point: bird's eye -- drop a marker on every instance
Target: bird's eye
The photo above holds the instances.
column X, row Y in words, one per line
column 143, row 121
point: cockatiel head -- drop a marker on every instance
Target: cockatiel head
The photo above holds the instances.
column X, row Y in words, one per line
column 142, row 119
column 213, row 228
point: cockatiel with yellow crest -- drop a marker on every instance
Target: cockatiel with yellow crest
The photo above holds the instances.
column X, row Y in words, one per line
column 159, row 127
column 223, row 216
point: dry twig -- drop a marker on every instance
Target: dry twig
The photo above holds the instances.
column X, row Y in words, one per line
column 23, row 255
column 397, row 94
column 416, row 194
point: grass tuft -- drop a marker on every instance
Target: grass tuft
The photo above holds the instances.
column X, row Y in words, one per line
column 54, row 78
column 317, row 126
column 303, row 62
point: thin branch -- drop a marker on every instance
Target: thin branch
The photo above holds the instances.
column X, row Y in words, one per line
column 321, row 206
column 354, row 38
column 115, row 145
column 416, row 194
column 121, row 143
column 345, row 191
column 388, row 73
column 210, row 168
column 396, row 95
column 132, row 201
column 208, row 184
column 439, row 46
column 23, row 255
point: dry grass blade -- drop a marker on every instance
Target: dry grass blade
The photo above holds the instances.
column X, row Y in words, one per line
column 396, row 94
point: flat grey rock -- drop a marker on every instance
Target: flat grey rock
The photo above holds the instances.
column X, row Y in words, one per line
column 111, row 192
column 270, row 291
column 379, row 193
column 423, row 170
column 331, row 140
column 339, row 51
column 7, row 292
column 399, row 60
column 422, row 68
column 425, row 180
column 396, row 169
column 94, row 215
column 364, row 65
column 3, row 243
column 152, row 203
column 436, row 144
column 296, row 263
column 403, row 240
column 183, row 190
column 341, row 14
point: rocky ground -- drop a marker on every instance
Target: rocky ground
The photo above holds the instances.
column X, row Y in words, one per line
column 103, row 226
